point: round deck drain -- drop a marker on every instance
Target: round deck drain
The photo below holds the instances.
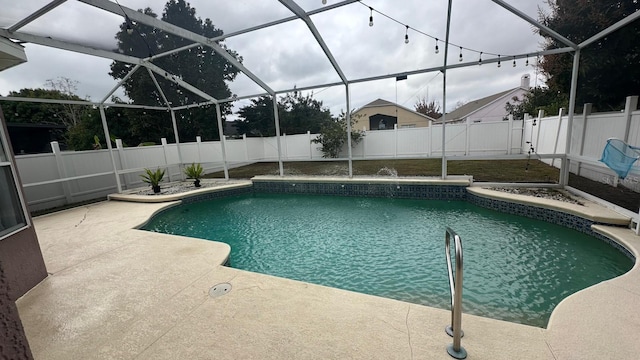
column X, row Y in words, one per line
column 219, row 289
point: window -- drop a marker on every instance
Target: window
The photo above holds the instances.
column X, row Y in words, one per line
column 12, row 215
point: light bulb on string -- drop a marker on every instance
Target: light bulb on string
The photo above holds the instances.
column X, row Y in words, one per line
column 371, row 16
column 498, row 60
column 324, row 2
column 128, row 25
column 527, row 62
column 437, row 51
column 460, row 58
column 480, row 59
column 406, row 35
column 514, row 61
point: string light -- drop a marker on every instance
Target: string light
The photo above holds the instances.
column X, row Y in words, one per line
column 406, row 35
column 324, row 2
column 128, row 25
column 437, row 49
column 514, row 61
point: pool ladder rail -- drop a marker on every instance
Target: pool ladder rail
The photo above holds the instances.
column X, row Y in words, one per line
column 455, row 286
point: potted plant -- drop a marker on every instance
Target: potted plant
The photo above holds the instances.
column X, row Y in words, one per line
column 194, row 171
column 153, row 178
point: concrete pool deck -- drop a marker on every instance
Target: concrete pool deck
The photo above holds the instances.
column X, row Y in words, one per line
column 115, row 292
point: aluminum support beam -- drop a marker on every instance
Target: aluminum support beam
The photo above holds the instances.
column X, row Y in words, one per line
column 459, row 65
column 78, row 102
column 348, row 118
column 296, row 9
column 155, row 81
column 444, row 92
column 176, row 30
column 533, row 22
column 63, row 45
column 158, row 70
column 277, row 121
column 564, row 171
column 257, row 27
column 36, row 14
column 622, row 23
column 107, row 138
column 174, row 123
column 125, row 78
column 222, row 142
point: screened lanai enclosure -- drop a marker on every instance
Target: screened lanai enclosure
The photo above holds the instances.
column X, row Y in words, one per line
column 366, row 59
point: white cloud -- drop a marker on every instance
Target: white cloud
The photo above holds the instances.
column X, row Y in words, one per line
column 286, row 55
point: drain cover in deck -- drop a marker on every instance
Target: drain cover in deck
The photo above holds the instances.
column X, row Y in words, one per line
column 219, row 289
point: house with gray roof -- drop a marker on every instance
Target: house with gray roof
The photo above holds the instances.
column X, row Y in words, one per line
column 490, row 108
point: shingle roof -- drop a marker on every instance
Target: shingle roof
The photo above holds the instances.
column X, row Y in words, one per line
column 381, row 102
column 466, row 109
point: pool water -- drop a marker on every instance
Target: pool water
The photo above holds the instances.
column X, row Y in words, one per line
column 515, row 269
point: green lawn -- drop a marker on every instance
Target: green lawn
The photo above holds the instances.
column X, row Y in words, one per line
column 482, row 170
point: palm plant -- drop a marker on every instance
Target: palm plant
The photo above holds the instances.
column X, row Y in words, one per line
column 153, row 178
column 194, row 171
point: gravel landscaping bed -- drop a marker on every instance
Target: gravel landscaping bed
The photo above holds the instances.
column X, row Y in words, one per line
column 544, row 193
column 182, row 186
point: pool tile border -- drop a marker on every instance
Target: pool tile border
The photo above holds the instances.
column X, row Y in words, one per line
column 398, row 190
column 549, row 215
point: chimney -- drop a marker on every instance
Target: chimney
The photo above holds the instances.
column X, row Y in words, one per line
column 524, row 81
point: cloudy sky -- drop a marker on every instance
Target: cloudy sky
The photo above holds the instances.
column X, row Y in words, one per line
column 287, row 55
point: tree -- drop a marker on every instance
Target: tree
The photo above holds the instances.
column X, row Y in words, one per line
column 199, row 66
column 258, row 118
column 71, row 116
column 429, row 108
column 302, row 114
column 333, row 135
column 297, row 114
column 538, row 98
column 609, row 68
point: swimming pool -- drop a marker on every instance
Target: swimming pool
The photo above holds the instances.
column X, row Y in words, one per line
column 516, row 269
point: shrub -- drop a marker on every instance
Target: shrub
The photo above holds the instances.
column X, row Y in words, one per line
column 333, row 136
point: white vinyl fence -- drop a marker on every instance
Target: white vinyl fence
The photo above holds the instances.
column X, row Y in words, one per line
column 64, row 177
column 588, row 137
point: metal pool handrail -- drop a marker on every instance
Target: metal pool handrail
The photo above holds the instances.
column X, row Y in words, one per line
column 455, row 286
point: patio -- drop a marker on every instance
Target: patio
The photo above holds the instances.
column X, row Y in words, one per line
column 117, row 292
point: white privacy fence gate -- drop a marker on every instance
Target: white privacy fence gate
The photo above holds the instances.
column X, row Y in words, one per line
column 64, row 177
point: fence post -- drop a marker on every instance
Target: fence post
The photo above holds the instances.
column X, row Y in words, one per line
column 630, row 105
column 586, row 111
column 62, row 173
column 286, row 147
column 123, row 162
column 310, row 146
column 199, row 144
column 467, row 137
column 555, row 146
column 246, row 147
column 430, row 137
column 540, row 117
column 166, row 158
column 510, row 135
column 364, row 145
column 395, row 136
